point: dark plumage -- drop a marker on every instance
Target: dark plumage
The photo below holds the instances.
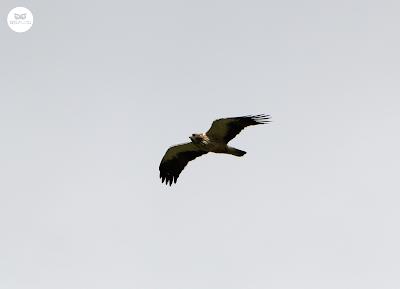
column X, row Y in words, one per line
column 214, row 140
column 176, row 159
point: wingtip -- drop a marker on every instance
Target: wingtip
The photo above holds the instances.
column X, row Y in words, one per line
column 261, row 118
column 168, row 181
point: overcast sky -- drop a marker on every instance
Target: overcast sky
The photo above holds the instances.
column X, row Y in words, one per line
column 92, row 96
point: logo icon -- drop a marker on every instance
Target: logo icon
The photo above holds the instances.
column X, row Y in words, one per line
column 20, row 19
column 19, row 16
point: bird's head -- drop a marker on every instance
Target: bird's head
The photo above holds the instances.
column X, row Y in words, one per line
column 195, row 138
column 199, row 138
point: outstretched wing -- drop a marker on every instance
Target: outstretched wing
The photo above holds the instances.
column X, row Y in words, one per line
column 225, row 129
column 176, row 159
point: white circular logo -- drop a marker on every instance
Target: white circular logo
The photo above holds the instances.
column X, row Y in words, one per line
column 20, row 19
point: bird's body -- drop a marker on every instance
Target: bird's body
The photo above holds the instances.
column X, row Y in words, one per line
column 214, row 140
column 203, row 142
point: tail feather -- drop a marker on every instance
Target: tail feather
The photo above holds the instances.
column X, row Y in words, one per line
column 236, row 152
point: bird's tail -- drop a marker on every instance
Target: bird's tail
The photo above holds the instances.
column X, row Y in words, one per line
column 236, row 152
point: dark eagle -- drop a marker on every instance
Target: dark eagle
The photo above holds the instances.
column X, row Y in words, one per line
column 215, row 140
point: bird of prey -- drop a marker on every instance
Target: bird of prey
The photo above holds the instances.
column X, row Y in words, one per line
column 214, row 140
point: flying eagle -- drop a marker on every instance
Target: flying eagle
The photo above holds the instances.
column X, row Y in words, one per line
column 215, row 140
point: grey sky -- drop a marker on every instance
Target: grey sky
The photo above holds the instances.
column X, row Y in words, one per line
column 94, row 93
